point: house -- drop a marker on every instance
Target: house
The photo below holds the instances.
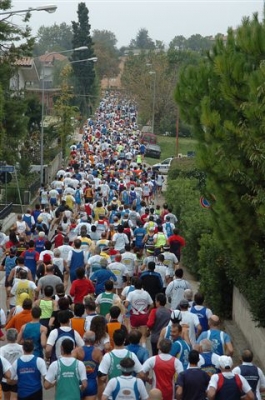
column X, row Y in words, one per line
column 25, row 76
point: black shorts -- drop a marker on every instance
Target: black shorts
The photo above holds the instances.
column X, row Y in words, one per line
column 7, row 284
column 34, row 396
column 9, row 388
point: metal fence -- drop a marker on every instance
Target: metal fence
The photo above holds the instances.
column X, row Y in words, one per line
column 6, row 211
column 10, row 193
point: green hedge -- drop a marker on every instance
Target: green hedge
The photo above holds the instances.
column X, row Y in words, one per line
column 203, row 254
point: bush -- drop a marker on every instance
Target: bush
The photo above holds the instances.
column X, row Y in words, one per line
column 214, row 283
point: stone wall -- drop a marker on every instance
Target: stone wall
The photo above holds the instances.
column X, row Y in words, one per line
column 254, row 335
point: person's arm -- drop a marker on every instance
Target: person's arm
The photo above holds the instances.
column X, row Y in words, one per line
column 20, row 335
column 229, row 350
column 151, row 319
column 161, row 336
column 43, row 336
column 211, row 393
column 72, row 290
column 179, row 392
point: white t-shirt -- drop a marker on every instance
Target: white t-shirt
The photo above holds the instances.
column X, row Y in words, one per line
column 27, row 357
column 175, row 290
column 119, row 270
column 106, row 361
column 192, row 320
column 64, row 250
column 11, row 352
column 164, row 272
column 139, row 300
column 127, row 382
column 52, row 374
column 169, row 261
column 54, row 335
column 50, row 252
column 129, row 259
column 120, row 239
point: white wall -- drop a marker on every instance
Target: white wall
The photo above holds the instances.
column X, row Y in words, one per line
column 254, row 335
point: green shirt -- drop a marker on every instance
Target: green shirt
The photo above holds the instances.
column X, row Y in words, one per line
column 106, row 302
column 67, row 386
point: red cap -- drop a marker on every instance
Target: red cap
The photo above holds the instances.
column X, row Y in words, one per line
column 47, row 258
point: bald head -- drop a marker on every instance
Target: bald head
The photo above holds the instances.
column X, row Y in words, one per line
column 155, row 394
column 206, row 345
column 214, row 321
column 89, row 337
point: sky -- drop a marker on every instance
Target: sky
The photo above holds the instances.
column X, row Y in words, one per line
column 163, row 19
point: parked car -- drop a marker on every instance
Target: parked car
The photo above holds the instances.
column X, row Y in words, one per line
column 163, row 166
column 148, row 138
column 153, row 151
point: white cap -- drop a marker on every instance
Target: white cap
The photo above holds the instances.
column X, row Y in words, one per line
column 225, row 362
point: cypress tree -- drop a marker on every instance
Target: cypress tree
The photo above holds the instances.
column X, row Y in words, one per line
column 84, row 73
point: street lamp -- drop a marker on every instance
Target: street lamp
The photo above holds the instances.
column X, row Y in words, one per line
column 154, row 98
column 94, row 59
column 48, row 8
column 42, row 104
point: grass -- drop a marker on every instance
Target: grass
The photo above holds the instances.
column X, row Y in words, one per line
column 168, row 147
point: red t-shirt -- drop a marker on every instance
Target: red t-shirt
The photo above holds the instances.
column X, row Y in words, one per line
column 81, row 288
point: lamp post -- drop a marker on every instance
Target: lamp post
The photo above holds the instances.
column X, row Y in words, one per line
column 154, row 98
column 42, row 104
column 48, row 8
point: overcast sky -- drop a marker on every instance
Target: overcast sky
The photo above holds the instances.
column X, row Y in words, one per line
column 163, row 19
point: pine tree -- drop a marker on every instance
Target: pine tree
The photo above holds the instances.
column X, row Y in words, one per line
column 85, row 77
column 223, row 98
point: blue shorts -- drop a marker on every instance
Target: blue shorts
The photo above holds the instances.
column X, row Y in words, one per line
column 53, row 201
column 60, row 191
column 91, row 389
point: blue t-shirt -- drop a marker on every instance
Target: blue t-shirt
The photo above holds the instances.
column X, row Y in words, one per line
column 101, row 276
column 218, row 339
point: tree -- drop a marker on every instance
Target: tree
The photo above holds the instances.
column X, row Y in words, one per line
column 140, row 84
column 64, row 110
column 15, row 42
column 142, row 41
column 53, row 38
column 178, row 43
column 106, row 52
column 223, row 99
column 85, row 77
column 198, row 43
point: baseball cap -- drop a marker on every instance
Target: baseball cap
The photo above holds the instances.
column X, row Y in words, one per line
column 46, row 258
column 225, row 362
column 184, row 303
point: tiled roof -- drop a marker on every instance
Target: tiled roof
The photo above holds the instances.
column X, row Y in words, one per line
column 25, row 62
column 48, row 58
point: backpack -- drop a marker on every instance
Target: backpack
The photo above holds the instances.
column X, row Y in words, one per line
column 168, row 229
column 221, row 380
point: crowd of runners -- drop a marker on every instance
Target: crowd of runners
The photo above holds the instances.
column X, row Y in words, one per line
column 96, row 303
